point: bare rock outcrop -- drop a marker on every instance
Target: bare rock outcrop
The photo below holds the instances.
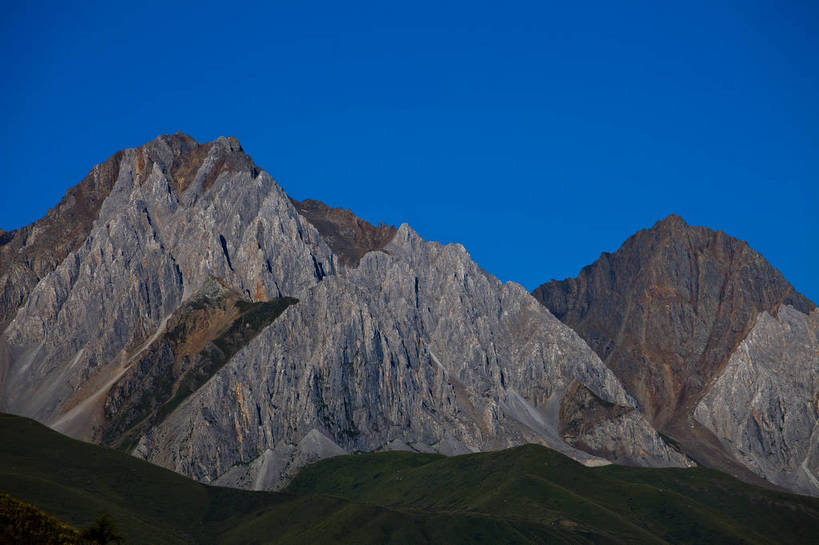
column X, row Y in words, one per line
column 416, row 348
column 666, row 313
column 199, row 339
column 348, row 236
column 161, row 232
column 593, row 425
column 170, row 326
column 28, row 254
column 764, row 406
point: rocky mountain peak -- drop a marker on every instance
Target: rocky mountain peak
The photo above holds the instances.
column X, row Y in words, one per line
column 666, row 311
column 673, row 301
column 29, row 253
column 179, row 305
column 671, row 221
column 202, row 321
column 142, row 233
column 188, row 163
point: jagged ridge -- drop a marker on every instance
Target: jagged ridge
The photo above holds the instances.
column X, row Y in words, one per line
column 415, row 347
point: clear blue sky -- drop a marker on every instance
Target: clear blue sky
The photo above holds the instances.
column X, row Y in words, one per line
column 536, row 134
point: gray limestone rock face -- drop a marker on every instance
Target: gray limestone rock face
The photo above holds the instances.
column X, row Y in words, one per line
column 408, row 346
column 595, row 425
column 765, row 404
column 416, row 348
column 28, row 254
column 281, row 464
column 149, row 248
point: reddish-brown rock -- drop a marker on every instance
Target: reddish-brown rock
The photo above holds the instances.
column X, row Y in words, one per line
column 348, row 236
column 666, row 311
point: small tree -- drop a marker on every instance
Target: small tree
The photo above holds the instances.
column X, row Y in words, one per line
column 102, row 532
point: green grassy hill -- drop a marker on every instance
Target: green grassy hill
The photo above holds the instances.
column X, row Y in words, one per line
column 522, row 495
column 539, row 491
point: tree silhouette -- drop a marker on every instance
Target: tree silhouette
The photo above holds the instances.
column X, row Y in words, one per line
column 102, row 532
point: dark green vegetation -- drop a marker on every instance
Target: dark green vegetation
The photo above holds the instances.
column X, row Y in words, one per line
column 77, row 482
column 523, row 495
column 534, row 492
column 21, row 522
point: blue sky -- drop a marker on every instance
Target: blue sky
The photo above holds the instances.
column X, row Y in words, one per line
column 535, row 134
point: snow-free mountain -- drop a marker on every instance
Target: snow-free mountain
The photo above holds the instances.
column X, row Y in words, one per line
column 719, row 350
column 177, row 304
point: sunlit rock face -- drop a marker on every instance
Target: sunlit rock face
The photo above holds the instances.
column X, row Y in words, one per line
column 177, row 214
column 765, row 405
column 199, row 320
column 415, row 348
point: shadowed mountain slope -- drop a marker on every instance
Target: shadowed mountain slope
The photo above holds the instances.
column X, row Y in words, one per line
column 348, row 236
column 666, row 312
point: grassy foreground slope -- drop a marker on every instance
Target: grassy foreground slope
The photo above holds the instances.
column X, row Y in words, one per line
column 76, row 482
column 531, row 485
column 522, row 495
column 24, row 523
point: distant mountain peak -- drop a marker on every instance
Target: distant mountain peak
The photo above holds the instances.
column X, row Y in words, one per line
column 666, row 311
column 672, row 220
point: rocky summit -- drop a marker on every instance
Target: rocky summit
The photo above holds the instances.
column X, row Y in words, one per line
column 718, row 349
column 179, row 305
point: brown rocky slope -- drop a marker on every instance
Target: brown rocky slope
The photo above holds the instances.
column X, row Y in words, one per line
column 665, row 313
column 347, row 235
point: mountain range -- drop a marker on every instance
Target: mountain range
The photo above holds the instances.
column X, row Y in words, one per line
column 177, row 304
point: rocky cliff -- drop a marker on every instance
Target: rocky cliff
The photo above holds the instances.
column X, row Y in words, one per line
column 177, row 214
column 670, row 313
column 204, row 320
column 30, row 253
column 416, row 349
column 764, row 406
